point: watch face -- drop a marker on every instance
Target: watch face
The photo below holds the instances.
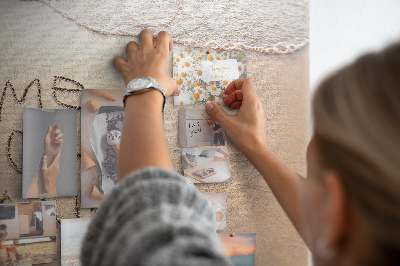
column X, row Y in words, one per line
column 140, row 83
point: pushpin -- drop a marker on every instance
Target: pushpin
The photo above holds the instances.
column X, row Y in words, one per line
column 232, row 234
column 208, row 51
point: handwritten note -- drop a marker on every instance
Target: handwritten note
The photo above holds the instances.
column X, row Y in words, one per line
column 219, row 70
column 194, row 128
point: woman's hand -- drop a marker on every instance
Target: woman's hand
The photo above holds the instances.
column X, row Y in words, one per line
column 53, row 143
column 246, row 129
column 149, row 59
column 49, row 175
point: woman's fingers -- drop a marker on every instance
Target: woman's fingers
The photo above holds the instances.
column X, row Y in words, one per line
column 147, row 40
column 177, row 92
column 164, row 41
column 245, row 85
column 234, row 99
column 54, row 129
column 119, row 63
column 60, row 142
column 59, row 136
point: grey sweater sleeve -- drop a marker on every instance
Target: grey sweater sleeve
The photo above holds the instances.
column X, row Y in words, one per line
column 153, row 217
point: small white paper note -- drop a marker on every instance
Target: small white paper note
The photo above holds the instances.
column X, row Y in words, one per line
column 219, row 70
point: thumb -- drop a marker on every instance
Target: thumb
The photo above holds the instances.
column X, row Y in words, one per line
column 217, row 112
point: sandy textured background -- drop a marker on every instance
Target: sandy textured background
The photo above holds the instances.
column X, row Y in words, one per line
column 38, row 44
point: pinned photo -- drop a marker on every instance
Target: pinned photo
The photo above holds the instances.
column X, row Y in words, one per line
column 197, row 128
column 204, row 75
column 239, row 247
column 102, row 115
column 72, row 234
column 218, row 201
column 49, row 153
column 28, row 233
column 206, row 165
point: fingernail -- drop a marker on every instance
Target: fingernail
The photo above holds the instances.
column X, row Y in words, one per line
column 209, row 106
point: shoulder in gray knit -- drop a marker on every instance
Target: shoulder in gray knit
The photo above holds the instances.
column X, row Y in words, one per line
column 154, row 217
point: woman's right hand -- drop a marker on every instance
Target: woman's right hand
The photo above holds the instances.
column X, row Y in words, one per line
column 246, row 129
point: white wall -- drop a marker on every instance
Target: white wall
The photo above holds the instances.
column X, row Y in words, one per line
column 341, row 30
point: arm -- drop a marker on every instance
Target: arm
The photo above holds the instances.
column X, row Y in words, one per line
column 187, row 160
column 250, row 122
column 53, row 143
column 44, row 182
column 205, row 122
column 36, row 186
column 222, row 152
column 143, row 142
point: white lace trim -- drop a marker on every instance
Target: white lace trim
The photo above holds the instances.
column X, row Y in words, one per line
column 274, row 26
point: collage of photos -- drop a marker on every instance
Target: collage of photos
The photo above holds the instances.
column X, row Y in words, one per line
column 28, row 233
column 102, row 114
column 49, row 153
column 72, row 234
column 203, row 75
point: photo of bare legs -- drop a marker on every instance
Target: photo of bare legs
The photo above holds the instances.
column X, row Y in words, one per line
column 44, row 182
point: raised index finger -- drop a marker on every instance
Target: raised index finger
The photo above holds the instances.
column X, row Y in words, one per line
column 55, row 128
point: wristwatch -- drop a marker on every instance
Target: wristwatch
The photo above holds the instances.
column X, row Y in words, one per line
column 142, row 85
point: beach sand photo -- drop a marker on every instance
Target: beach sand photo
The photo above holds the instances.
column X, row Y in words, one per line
column 36, row 242
column 218, row 201
column 102, row 115
column 206, row 164
column 239, row 247
column 72, row 233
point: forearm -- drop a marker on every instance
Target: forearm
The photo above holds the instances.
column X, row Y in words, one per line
column 143, row 141
column 186, row 159
column 283, row 182
column 36, row 186
column 33, row 191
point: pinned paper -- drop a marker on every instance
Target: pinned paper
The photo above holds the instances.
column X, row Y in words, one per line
column 204, row 76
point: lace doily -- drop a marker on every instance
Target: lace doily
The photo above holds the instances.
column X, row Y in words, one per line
column 274, row 26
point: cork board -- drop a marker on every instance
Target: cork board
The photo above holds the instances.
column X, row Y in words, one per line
column 46, row 60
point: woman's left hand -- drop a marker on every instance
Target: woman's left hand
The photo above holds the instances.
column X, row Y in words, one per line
column 149, row 59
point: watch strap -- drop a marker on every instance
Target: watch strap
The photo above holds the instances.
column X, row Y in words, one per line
column 153, row 86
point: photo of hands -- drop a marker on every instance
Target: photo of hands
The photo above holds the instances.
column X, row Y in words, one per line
column 49, row 153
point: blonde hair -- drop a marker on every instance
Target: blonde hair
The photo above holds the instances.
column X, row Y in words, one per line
column 357, row 133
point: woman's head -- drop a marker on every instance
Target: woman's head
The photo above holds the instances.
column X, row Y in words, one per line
column 357, row 137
